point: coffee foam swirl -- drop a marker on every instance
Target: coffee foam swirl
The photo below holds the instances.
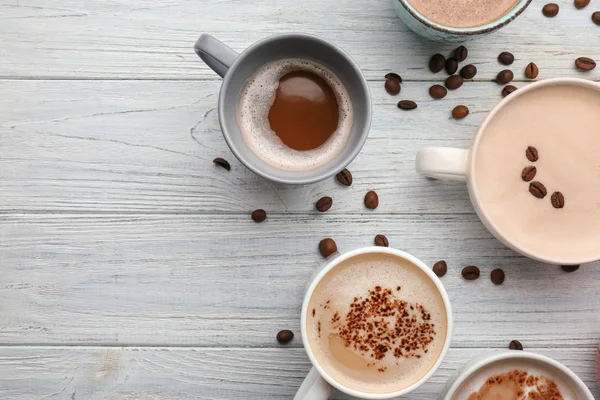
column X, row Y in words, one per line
column 253, row 110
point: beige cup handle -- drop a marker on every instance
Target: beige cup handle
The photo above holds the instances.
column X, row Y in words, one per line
column 443, row 163
column 314, row 387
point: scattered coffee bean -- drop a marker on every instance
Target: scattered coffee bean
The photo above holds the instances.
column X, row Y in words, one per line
column 327, row 247
column 407, row 105
column 221, row 162
column 285, row 336
column 558, row 200
column 454, row 82
column 437, row 63
column 508, row 89
column 371, row 200
column 596, row 17
column 515, row 345
column 468, row 71
column 470, row 273
column 324, row 203
column 438, row 92
column 451, row 66
column 531, row 153
column 585, row 64
column 381, row 240
column 461, row 53
column 392, row 87
column 504, row 76
column 537, row 189
column 459, row 112
column 532, row 71
column 506, row 58
column 259, row 215
column 497, row 276
column 581, row 3
column 569, row 268
column 394, row 76
column 344, row 177
column 550, row 10
column 440, row 268
column 528, row 173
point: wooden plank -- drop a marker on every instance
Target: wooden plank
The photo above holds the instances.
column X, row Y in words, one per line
column 154, row 40
column 222, row 280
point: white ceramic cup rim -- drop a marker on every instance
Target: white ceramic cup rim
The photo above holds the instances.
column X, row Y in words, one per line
column 376, row 250
column 475, row 365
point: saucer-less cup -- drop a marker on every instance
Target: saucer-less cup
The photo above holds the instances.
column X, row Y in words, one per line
column 319, row 385
column 418, row 23
column 235, row 69
column 462, row 375
column 457, row 165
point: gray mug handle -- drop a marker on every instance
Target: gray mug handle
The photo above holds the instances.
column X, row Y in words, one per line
column 215, row 54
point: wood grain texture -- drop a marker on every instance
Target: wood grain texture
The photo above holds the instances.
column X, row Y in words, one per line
column 153, row 39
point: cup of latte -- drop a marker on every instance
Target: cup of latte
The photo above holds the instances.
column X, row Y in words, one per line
column 457, row 20
column 533, row 170
column 376, row 324
column 293, row 108
column 515, row 375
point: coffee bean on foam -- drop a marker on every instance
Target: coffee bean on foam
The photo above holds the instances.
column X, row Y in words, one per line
column 253, row 110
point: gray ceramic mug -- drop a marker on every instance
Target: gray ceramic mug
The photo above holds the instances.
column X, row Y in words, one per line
column 235, row 69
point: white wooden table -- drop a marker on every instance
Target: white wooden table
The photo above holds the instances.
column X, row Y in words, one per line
column 129, row 266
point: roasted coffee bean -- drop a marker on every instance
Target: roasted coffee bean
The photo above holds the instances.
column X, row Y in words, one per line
column 451, row 65
column 394, row 76
column 470, row 273
column 515, row 345
column 440, row 268
column 585, row 64
column 459, row 112
column 327, row 247
column 437, row 92
column 221, row 162
column 531, row 153
column 259, row 215
column 537, row 189
column 550, row 10
column 392, row 87
column 454, row 82
column 531, row 70
column 558, row 200
column 506, row 58
column 528, row 173
column 497, row 276
column 437, row 63
column 508, row 89
column 324, row 203
column 371, row 200
column 569, row 268
column 407, row 105
column 581, row 3
column 285, row 336
column 461, row 53
column 504, row 76
column 381, row 240
column 468, row 71
column 344, row 177
column 596, row 17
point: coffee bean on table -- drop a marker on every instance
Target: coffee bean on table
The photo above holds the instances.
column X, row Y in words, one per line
column 531, row 153
column 437, row 92
column 327, row 247
column 407, row 105
column 515, row 345
column 285, row 336
column 451, row 65
column 537, row 189
column 470, row 273
column 460, row 112
column 581, row 3
column 497, row 276
column 468, row 71
column 506, row 58
column 531, row 70
column 440, row 268
column 528, row 173
column 371, row 200
column 344, row 177
column 596, row 17
column 585, row 63
column 392, row 86
column 324, row 203
column 221, row 162
column 381, row 240
column 569, row 268
column 504, row 76
column 557, row 199
column 508, row 89
column 259, row 215
column 437, row 63
column 461, row 53
column 550, row 10
column 394, row 76
column 454, row 82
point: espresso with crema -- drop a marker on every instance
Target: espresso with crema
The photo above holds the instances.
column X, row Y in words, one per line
column 463, row 13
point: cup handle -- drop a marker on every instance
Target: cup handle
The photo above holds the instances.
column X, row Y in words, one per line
column 314, row 387
column 443, row 163
column 215, row 54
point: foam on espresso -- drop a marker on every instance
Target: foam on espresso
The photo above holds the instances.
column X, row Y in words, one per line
column 463, row 13
column 376, row 323
column 253, row 110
